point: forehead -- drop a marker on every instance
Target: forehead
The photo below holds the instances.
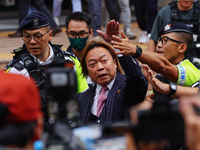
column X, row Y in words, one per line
column 76, row 25
column 185, row 0
column 39, row 30
column 97, row 53
column 171, row 35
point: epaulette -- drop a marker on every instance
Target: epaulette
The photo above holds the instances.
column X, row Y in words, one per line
column 17, row 51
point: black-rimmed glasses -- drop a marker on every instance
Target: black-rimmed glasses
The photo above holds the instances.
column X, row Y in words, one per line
column 164, row 40
column 27, row 38
column 81, row 34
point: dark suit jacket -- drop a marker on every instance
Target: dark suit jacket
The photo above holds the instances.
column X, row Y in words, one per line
column 127, row 90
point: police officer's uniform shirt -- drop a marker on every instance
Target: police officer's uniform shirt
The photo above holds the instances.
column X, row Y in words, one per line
column 97, row 93
column 24, row 72
column 188, row 74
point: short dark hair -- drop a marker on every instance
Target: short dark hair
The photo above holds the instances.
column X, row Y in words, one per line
column 95, row 44
column 18, row 134
column 187, row 39
column 79, row 16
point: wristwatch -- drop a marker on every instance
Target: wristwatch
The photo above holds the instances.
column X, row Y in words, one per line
column 138, row 52
column 173, row 88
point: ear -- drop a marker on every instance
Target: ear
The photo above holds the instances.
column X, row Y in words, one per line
column 66, row 32
column 115, row 63
column 91, row 31
column 182, row 47
column 38, row 130
column 50, row 35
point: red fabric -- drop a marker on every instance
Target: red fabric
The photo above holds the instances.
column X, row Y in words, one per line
column 21, row 97
column 101, row 100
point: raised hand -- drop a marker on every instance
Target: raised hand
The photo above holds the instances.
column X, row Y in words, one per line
column 124, row 45
column 112, row 28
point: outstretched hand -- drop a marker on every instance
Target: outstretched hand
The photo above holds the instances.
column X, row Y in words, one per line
column 112, row 28
column 124, row 45
column 156, row 84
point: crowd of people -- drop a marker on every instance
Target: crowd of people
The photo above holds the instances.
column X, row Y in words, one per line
column 110, row 85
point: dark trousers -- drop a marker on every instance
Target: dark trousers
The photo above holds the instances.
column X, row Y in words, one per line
column 95, row 12
column 145, row 11
column 23, row 7
column 113, row 9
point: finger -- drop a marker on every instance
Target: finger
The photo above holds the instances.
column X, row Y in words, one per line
column 116, row 38
column 101, row 33
column 152, row 95
column 116, row 43
column 145, row 66
column 150, row 73
column 112, row 24
column 117, row 27
column 123, row 35
column 118, row 47
column 108, row 27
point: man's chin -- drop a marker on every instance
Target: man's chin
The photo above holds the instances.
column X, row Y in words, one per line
column 35, row 54
column 103, row 83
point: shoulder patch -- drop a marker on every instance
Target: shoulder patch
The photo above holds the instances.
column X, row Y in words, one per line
column 17, row 50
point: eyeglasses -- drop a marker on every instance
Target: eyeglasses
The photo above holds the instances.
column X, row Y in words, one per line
column 81, row 34
column 27, row 38
column 164, row 40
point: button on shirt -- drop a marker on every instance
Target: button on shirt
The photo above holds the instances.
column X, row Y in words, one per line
column 97, row 93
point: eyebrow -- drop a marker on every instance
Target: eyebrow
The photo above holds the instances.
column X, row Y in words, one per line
column 77, row 32
column 34, row 33
column 103, row 55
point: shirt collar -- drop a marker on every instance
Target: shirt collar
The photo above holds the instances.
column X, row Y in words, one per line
column 109, row 86
column 49, row 59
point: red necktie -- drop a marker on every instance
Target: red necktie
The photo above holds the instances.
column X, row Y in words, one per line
column 101, row 100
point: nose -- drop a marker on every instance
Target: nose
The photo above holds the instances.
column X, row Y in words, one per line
column 100, row 66
column 32, row 40
column 159, row 44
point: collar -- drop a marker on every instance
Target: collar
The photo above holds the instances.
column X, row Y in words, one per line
column 69, row 49
column 110, row 85
column 49, row 59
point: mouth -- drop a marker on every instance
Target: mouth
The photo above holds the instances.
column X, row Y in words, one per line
column 34, row 49
column 160, row 52
column 102, row 76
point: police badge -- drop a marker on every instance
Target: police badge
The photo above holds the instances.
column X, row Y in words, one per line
column 167, row 27
column 35, row 23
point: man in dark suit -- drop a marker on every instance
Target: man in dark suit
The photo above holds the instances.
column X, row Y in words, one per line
column 100, row 62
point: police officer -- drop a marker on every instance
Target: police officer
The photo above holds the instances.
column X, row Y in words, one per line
column 177, row 11
column 37, row 51
column 169, row 62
